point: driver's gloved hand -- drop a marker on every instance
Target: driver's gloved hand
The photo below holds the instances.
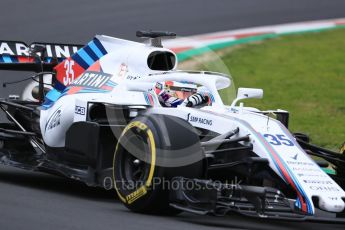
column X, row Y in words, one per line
column 196, row 99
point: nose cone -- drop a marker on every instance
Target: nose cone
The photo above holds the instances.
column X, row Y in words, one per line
column 331, row 204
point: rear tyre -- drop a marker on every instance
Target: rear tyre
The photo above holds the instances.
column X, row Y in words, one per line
column 150, row 152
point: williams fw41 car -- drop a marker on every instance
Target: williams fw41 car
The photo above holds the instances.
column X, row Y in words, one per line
column 91, row 113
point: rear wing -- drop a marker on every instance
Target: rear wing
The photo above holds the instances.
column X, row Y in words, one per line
column 16, row 55
column 66, row 61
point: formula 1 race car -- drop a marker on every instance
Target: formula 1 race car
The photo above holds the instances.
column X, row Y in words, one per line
column 91, row 114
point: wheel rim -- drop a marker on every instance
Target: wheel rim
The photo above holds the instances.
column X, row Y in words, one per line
column 135, row 168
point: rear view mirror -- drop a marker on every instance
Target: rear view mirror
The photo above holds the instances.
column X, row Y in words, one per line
column 245, row 93
column 249, row 93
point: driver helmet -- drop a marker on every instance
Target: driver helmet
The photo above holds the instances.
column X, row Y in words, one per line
column 177, row 89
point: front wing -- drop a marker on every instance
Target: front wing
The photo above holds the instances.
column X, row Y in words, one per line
column 205, row 197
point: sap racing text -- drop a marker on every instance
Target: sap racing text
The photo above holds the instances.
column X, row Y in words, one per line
column 199, row 120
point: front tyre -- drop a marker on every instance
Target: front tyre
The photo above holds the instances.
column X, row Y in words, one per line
column 151, row 150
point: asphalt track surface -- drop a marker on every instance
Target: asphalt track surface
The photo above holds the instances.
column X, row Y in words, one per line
column 31, row 200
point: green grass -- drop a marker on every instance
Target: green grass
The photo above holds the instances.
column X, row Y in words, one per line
column 301, row 73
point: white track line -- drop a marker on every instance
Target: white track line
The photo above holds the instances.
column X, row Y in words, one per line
column 201, row 40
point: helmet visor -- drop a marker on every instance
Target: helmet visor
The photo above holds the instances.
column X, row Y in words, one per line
column 183, row 94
